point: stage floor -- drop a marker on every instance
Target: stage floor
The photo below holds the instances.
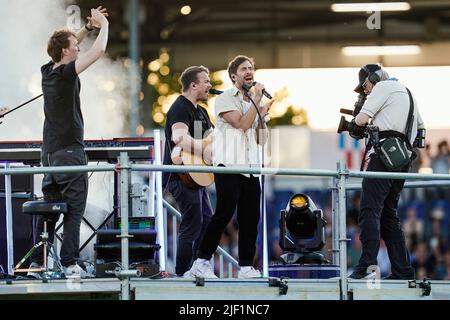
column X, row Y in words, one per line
column 221, row 289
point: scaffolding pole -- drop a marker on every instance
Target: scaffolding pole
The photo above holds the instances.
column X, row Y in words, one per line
column 124, row 186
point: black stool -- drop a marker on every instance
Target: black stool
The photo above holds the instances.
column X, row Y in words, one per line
column 47, row 210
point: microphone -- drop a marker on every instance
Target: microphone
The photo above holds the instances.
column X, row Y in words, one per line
column 266, row 94
column 215, row 91
column 247, row 87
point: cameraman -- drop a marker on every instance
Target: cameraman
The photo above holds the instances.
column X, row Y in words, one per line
column 388, row 105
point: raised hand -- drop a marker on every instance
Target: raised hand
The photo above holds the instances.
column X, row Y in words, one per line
column 96, row 21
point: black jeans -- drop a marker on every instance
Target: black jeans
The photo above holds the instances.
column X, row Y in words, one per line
column 378, row 217
column 234, row 190
column 196, row 213
column 71, row 188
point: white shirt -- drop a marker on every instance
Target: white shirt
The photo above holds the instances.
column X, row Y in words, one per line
column 388, row 106
column 231, row 146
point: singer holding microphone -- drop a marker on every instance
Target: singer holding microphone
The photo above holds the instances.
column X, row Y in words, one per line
column 236, row 137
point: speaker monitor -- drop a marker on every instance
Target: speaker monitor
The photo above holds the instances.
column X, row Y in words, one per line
column 142, row 245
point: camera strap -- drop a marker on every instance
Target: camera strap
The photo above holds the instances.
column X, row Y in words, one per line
column 409, row 121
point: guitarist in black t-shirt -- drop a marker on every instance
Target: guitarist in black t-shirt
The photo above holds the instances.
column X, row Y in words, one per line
column 64, row 132
column 186, row 126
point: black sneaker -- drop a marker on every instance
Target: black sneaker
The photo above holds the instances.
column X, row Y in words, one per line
column 358, row 275
column 398, row 277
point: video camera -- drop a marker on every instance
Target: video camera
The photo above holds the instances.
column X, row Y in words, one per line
column 360, row 132
column 354, row 130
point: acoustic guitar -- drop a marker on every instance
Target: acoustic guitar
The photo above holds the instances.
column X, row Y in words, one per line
column 195, row 180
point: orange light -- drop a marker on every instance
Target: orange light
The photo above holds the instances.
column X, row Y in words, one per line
column 299, row 201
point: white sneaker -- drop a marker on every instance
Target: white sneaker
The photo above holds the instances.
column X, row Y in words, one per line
column 35, row 275
column 248, row 273
column 187, row 275
column 201, row 268
column 74, row 271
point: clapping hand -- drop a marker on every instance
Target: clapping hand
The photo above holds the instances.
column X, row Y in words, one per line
column 97, row 15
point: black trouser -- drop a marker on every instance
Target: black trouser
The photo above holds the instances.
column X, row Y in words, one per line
column 71, row 188
column 234, row 190
column 196, row 213
column 378, row 216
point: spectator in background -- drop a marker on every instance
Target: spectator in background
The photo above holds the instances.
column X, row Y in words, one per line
column 421, row 273
column 231, row 237
column 354, row 250
column 328, row 216
column 413, row 228
column 426, row 156
column 419, row 162
column 446, row 275
column 440, row 164
column 353, row 211
column 275, row 249
column 422, row 260
column 437, row 228
column 411, row 194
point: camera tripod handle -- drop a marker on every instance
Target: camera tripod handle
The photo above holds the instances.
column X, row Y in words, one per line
column 346, row 111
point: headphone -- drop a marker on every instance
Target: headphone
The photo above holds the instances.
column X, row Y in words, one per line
column 373, row 76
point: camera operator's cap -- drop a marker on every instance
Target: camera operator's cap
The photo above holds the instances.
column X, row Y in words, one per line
column 364, row 73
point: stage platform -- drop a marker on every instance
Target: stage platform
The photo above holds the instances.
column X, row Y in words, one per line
column 221, row 289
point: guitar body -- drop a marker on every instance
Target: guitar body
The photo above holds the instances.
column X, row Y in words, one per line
column 195, row 180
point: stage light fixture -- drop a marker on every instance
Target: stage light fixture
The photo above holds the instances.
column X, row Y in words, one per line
column 302, row 231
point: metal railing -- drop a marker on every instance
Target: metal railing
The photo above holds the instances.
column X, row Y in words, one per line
column 339, row 176
column 339, row 196
column 232, row 262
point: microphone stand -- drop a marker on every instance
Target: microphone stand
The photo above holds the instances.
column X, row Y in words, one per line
column 262, row 158
column 25, row 103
